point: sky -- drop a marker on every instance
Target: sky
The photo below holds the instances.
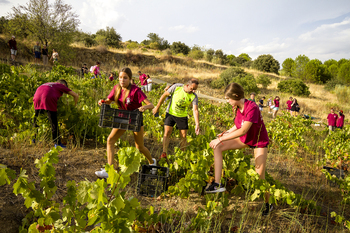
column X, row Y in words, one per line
column 319, row 29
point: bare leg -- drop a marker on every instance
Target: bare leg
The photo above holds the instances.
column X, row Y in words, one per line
column 260, row 155
column 166, row 138
column 112, row 139
column 183, row 142
column 139, row 143
column 226, row 145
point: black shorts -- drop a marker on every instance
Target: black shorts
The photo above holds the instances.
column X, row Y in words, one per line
column 181, row 122
column 254, row 147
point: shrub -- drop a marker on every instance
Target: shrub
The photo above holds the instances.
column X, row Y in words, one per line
column 154, row 45
column 342, row 92
column 294, row 86
column 330, row 84
column 167, row 52
column 196, row 54
column 248, row 83
column 266, row 63
column 228, row 74
column 264, row 80
column 102, row 49
column 5, row 69
column 179, row 47
column 132, row 45
column 209, row 54
column 344, row 72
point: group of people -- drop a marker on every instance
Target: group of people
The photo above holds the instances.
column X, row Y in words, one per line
column 38, row 52
column 272, row 104
column 335, row 121
column 145, row 82
column 94, row 70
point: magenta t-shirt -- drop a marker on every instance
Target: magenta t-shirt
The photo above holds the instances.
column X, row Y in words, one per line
column 252, row 114
column 46, row 96
column 133, row 101
column 277, row 103
column 143, row 80
column 332, row 119
column 340, row 121
column 289, row 103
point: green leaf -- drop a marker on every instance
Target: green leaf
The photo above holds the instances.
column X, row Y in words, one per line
column 255, row 195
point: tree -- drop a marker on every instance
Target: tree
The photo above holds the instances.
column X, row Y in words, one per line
column 3, row 22
column 196, row 52
column 153, row 37
column 294, row 87
column 109, row 37
column 333, row 71
column 316, row 72
column 342, row 61
column 179, row 47
column 245, row 56
column 264, row 80
column 299, row 66
column 344, row 73
column 330, row 62
column 209, row 54
column 52, row 24
column 266, row 63
column 287, row 66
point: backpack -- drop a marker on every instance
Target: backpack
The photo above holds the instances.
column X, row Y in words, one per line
column 92, row 69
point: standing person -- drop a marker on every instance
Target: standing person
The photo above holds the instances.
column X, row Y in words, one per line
column 54, row 56
column 37, row 53
column 294, row 109
column 289, row 104
column 143, row 81
column 252, row 97
column 276, row 103
column 45, row 100
column 340, row 120
column 128, row 97
column 13, row 47
column 45, row 53
column 249, row 131
column 96, row 70
column 261, row 103
column 176, row 113
column 149, row 83
column 84, row 70
column 332, row 120
column 270, row 104
column 111, row 77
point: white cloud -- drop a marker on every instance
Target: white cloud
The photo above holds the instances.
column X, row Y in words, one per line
column 183, row 28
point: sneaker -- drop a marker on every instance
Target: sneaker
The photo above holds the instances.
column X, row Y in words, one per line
column 61, row 145
column 267, row 209
column 154, row 162
column 215, row 188
column 154, row 170
column 163, row 155
column 102, row 173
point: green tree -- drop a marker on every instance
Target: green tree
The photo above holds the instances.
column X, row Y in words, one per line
column 231, row 60
column 209, row 55
column 287, row 67
column 299, row 66
column 109, row 37
column 245, row 56
column 153, row 37
column 344, row 72
column 264, row 80
column 266, row 63
column 248, row 83
column 227, row 75
column 294, row 87
column 316, row 72
column 179, row 47
column 196, row 52
column 330, row 62
column 333, row 71
column 3, row 22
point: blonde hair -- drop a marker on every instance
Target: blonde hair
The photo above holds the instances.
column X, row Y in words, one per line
column 118, row 88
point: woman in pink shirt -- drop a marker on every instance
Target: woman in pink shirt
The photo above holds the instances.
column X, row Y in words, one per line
column 249, row 131
column 332, row 120
column 340, row 120
column 128, row 97
column 276, row 103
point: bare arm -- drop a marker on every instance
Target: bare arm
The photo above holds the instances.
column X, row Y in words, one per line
column 196, row 118
column 75, row 95
column 148, row 105
column 160, row 102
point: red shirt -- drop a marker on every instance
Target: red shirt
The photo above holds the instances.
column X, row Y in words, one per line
column 143, row 80
column 289, row 103
column 340, row 121
column 277, row 103
column 13, row 44
column 332, row 119
column 133, row 101
column 46, row 96
column 257, row 131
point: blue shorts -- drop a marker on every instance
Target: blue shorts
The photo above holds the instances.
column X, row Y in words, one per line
column 37, row 54
column 276, row 108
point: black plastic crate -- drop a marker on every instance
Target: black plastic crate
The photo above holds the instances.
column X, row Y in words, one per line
column 152, row 180
column 340, row 174
column 120, row 119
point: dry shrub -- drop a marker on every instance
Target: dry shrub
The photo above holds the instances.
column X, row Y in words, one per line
column 102, row 49
column 168, row 58
column 154, row 70
column 167, row 52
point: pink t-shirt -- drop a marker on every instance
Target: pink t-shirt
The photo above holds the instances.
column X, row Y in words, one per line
column 289, row 103
column 143, row 80
column 252, row 114
column 277, row 103
column 340, row 121
column 332, row 119
column 46, row 96
column 133, row 101
column 96, row 70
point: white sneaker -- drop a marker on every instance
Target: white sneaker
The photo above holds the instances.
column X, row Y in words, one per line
column 154, row 170
column 102, row 173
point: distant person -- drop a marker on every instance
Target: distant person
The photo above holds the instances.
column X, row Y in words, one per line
column 45, row 53
column 84, row 70
column 149, row 83
column 261, row 103
column 37, row 53
column 332, row 120
column 176, row 113
column 270, row 104
column 127, row 97
column 111, row 76
column 289, row 104
column 252, row 97
column 96, row 70
column 340, row 120
column 45, row 100
column 276, row 104
column 294, row 109
column 13, row 47
column 54, row 56
column 143, row 81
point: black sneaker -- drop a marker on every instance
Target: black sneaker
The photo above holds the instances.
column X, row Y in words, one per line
column 215, row 188
column 267, row 209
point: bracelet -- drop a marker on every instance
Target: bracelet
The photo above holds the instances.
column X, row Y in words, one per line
column 221, row 141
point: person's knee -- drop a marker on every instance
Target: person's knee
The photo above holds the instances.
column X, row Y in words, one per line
column 111, row 140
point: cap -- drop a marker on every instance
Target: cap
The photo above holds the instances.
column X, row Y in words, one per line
column 341, row 111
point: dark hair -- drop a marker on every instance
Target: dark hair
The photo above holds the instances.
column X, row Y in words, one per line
column 139, row 72
column 98, row 63
column 234, row 91
column 118, row 88
column 62, row 81
column 195, row 81
column 148, row 76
